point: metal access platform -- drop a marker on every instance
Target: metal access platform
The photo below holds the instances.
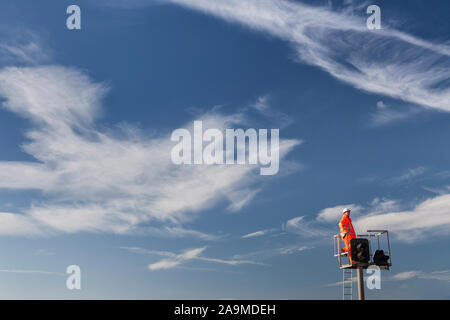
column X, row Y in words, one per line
column 378, row 239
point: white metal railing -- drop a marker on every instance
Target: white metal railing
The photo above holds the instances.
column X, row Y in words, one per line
column 371, row 235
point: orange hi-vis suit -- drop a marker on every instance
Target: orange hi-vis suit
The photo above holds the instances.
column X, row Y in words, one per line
column 347, row 233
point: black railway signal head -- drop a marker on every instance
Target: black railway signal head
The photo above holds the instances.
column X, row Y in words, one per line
column 360, row 251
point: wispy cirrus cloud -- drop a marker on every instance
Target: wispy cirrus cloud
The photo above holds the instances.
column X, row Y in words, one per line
column 440, row 275
column 294, row 249
column 95, row 181
column 25, row 271
column 273, row 252
column 173, row 259
column 258, row 233
column 383, row 205
column 24, row 48
column 386, row 114
column 388, row 61
column 180, row 232
column 106, row 180
column 406, row 176
column 439, row 191
column 410, row 174
column 263, row 106
column 305, row 228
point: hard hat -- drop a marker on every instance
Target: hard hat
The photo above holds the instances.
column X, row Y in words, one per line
column 346, row 210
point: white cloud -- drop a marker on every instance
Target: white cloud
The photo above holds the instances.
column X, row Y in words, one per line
column 387, row 115
column 263, row 106
column 32, row 271
column 294, row 249
column 25, row 47
column 305, row 228
column 321, row 226
column 427, row 218
column 17, row 224
column 382, row 205
column 270, row 253
column 257, row 233
column 442, row 275
column 439, row 191
column 175, row 260
column 406, row 275
column 410, row 174
column 179, row 232
column 387, row 62
column 232, row 262
column 239, row 199
column 164, row 264
column 334, row 214
column 103, row 181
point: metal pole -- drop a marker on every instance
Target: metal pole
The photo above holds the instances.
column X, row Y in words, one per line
column 360, row 283
column 389, row 248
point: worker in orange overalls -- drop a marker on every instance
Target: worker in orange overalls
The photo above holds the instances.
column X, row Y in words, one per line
column 347, row 231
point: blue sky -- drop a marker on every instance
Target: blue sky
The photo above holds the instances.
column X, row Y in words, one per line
column 85, row 170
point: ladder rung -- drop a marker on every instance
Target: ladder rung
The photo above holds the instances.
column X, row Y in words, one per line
column 347, row 284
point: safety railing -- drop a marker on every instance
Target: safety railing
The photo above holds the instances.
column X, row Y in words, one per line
column 373, row 236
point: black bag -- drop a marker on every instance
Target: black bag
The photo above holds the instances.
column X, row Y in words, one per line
column 380, row 259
